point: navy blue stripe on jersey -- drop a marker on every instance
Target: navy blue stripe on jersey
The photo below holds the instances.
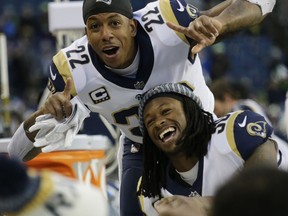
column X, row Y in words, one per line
column 280, row 158
column 177, row 186
column 250, row 131
column 145, row 65
column 56, row 78
column 147, row 54
column 190, row 57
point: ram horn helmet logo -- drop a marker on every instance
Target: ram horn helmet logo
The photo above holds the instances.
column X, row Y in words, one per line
column 105, row 1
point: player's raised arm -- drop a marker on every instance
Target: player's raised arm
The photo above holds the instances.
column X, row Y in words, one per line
column 58, row 105
column 203, row 30
column 223, row 19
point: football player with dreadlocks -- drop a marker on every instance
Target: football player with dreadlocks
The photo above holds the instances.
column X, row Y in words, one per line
column 187, row 153
column 121, row 56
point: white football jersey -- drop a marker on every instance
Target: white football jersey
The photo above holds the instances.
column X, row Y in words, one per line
column 164, row 57
column 237, row 135
column 61, row 195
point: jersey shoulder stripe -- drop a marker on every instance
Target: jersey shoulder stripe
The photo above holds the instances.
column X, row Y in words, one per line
column 59, row 72
column 63, row 63
column 230, row 133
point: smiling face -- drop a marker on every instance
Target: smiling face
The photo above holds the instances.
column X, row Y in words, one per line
column 165, row 121
column 112, row 37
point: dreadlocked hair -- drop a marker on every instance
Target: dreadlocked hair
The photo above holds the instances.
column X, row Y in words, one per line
column 198, row 131
column 153, row 176
column 200, row 126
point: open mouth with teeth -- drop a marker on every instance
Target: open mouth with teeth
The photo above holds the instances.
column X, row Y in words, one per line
column 111, row 51
column 167, row 134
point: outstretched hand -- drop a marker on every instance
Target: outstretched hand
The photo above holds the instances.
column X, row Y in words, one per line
column 204, row 30
column 58, row 104
column 183, row 206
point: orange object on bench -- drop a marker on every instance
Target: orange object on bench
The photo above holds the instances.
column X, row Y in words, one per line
column 84, row 160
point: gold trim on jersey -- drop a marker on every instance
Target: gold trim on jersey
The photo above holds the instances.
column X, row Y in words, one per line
column 168, row 15
column 189, row 85
column 140, row 197
column 230, row 132
column 62, row 65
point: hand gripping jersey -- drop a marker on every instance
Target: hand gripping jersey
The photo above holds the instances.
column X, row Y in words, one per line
column 236, row 137
column 164, row 57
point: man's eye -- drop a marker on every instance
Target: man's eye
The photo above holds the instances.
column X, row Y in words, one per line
column 149, row 122
column 94, row 26
column 115, row 23
column 166, row 111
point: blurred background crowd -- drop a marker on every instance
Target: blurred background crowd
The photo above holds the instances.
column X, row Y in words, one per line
column 256, row 57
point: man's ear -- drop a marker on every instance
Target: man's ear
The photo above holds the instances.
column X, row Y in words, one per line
column 133, row 26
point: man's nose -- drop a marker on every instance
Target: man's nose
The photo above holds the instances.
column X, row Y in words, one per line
column 106, row 34
column 160, row 122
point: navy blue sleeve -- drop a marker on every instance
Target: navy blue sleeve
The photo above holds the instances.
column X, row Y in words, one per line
column 250, row 131
column 56, row 82
column 184, row 12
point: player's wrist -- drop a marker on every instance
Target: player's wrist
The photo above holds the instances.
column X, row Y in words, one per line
column 29, row 122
